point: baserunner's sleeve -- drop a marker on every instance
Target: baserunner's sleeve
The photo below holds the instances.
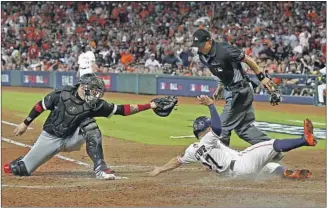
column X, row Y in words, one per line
column 188, row 156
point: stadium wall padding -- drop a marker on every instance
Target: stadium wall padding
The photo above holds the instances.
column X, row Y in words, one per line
column 141, row 84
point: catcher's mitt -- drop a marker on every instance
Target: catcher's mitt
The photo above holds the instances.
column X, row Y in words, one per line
column 165, row 105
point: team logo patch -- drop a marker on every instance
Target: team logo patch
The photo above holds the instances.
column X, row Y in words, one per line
column 72, row 109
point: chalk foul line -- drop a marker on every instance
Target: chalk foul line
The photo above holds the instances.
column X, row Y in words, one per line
column 13, row 124
column 37, row 187
column 77, row 161
column 57, row 156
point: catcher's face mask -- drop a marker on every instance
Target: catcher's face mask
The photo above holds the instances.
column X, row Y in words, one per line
column 94, row 89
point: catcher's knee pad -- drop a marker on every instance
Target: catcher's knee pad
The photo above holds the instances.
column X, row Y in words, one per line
column 18, row 167
column 90, row 130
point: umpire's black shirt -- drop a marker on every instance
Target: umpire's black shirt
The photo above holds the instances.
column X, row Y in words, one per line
column 224, row 62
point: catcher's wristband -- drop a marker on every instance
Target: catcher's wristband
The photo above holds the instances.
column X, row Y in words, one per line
column 27, row 121
column 34, row 113
column 140, row 107
column 144, row 107
column 260, row 76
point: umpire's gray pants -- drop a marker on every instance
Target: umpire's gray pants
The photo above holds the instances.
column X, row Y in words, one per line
column 238, row 114
column 48, row 145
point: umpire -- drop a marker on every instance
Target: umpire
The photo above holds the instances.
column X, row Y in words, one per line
column 224, row 61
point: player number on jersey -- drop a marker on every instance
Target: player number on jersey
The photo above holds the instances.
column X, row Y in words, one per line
column 209, row 159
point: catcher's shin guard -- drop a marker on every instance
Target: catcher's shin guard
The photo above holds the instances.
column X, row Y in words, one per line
column 93, row 138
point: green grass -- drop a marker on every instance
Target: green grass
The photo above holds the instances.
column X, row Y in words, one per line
column 147, row 128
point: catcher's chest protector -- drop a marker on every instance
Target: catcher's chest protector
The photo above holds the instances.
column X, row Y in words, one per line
column 68, row 115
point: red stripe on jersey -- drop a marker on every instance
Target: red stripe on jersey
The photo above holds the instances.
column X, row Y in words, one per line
column 267, row 143
column 127, row 109
column 38, row 107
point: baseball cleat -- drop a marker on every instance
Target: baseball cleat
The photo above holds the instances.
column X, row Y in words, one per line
column 297, row 174
column 308, row 133
column 6, row 168
column 110, row 171
column 105, row 176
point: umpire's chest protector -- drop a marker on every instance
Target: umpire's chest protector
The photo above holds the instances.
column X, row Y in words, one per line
column 68, row 115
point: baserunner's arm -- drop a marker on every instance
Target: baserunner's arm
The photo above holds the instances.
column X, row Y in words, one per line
column 171, row 165
column 215, row 120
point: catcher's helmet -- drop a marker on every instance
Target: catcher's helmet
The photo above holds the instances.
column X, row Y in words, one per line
column 201, row 124
column 93, row 86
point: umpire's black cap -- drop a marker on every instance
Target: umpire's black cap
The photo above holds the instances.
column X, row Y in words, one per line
column 200, row 37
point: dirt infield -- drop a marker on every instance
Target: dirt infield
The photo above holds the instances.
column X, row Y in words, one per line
column 60, row 183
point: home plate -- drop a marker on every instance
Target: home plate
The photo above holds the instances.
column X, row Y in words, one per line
column 182, row 137
column 120, row 177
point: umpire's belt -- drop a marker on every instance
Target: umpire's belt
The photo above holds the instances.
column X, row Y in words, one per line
column 238, row 85
column 232, row 164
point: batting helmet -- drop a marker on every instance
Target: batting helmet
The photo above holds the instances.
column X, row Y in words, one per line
column 201, row 124
column 93, row 86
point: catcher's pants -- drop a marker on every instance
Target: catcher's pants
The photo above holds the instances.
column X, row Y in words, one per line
column 254, row 158
column 238, row 115
column 48, row 145
column 321, row 88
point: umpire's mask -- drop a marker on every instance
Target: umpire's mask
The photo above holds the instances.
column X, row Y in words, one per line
column 94, row 88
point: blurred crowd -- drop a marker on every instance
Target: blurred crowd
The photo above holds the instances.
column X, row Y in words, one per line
column 154, row 37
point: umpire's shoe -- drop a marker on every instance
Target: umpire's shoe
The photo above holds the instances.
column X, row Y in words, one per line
column 106, row 174
column 308, row 133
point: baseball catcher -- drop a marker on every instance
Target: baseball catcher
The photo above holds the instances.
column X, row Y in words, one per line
column 216, row 156
column 70, row 124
